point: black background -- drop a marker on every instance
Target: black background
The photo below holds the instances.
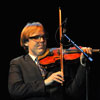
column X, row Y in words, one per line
column 82, row 27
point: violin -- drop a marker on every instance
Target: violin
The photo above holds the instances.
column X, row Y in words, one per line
column 53, row 54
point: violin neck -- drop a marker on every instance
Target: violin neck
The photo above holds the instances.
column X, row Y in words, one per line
column 96, row 50
column 68, row 51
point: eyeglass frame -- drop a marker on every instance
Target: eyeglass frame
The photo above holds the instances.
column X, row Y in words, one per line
column 38, row 37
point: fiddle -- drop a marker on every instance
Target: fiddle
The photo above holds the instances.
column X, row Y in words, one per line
column 53, row 54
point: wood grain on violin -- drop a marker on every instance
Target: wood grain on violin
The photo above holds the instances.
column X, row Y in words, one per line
column 53, row 54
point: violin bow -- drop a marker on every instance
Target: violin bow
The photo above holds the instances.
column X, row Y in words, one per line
column 61, row 45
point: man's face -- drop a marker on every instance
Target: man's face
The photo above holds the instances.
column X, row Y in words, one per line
column 37, row 43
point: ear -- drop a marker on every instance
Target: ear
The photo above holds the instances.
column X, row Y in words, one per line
column 26, row 44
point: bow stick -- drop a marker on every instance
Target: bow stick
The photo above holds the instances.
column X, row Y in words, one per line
column 61, row 45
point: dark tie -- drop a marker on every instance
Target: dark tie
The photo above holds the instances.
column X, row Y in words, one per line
column 43, row 71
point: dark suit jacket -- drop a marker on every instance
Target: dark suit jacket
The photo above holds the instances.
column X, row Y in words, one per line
column 25, row 81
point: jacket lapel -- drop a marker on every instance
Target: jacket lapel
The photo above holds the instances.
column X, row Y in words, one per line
column 32, row 65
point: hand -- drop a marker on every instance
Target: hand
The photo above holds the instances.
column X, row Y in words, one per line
column 57, row 76
column 87, row 50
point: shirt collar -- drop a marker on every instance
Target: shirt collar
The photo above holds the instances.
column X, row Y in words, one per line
column 33, row 57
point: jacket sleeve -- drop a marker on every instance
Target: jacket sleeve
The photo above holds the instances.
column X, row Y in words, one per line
column 20, row 89
column 75, row 83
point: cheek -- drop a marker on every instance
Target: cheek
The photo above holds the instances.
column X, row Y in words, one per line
column 32, row 46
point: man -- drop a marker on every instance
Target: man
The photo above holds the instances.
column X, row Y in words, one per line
column 29, row 81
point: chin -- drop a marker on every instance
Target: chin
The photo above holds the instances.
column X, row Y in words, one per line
column 41, row 52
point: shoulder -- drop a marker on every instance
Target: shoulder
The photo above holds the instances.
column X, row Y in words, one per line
column 17, row 59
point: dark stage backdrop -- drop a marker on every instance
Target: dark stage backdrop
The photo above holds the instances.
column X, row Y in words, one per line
column 82, row 27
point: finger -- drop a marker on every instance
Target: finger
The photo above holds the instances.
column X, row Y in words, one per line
column 89, row 50
column 84, row 49
column 59, row 81
column 59, row 74
column 59, row 78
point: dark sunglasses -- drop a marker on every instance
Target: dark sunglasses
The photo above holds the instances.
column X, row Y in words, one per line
column 38, row 37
